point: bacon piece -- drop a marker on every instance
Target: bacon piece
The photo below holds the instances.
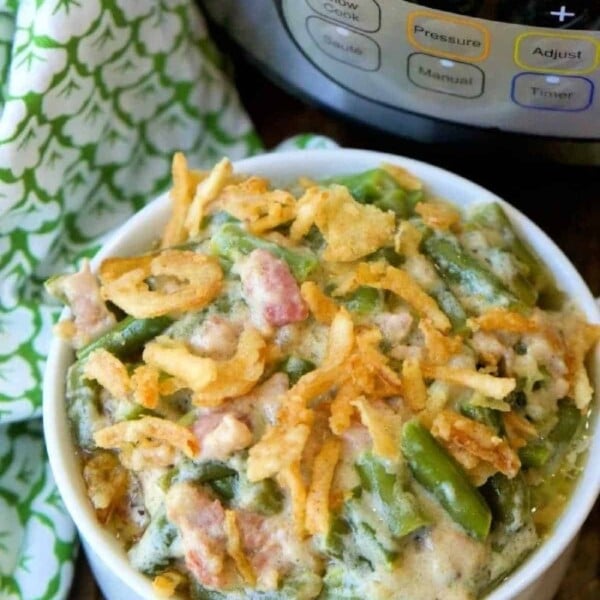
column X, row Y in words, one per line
column 91, row 318
column 270, row 290
column 200, row 520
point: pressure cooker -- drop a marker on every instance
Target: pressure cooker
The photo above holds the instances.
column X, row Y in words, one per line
column 436, row 71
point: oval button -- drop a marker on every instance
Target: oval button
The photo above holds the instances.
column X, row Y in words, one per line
column 445, row 76
column 565, row 93
column 556, row 53
column 448, row 36
column 347, row 46
column 359, row 14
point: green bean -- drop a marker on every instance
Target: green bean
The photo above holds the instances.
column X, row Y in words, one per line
column 217, row 219
column 569, row 420
column 437, row 472
column 335, row 539
column 493, row 216
column 451, row 307
column 127, row 336
column 229, row 240
column 378, row 187
column 305, row 584
column 509, row 501
column 200, row 472
column 224, row 488
column 154, row 550
column 488, row 416
column 535, row 454
column 295, row 367
column 338, row 584
column 83, row 405
column 369, row 541
column 264, row 497
column 364, row 300
column 459, row 268
column 389, row 255
column 398, row 506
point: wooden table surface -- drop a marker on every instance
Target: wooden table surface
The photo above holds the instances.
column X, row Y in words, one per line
column 563, row 200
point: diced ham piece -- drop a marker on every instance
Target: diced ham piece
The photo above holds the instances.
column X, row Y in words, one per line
column 216, row 337
column 263, row 549
column 221, row 434
column 200, row 520
column 91, row 317
column 270, row 290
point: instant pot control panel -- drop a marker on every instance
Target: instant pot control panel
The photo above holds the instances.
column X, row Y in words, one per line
column 524, row 66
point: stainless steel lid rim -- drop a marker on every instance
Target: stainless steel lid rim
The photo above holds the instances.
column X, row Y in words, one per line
column 485, row 131
column 417, row 72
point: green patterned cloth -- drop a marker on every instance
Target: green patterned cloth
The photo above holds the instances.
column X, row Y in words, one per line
column 95, row 97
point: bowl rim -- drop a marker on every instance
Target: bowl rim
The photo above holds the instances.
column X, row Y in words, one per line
column 61, row 449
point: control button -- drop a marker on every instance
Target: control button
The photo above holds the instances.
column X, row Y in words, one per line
column 448, row 36
column 347, row 46
column 359, row 14
column 557, row 53
column 565, row 14
column 552, row 92
column 445, row 76
column 460, row 7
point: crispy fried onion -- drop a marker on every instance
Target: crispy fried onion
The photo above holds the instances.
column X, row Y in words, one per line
column 165, row 584
column 399, row 282
column 279, row 447
column 463, row 435
column 413, row 386
column 438, row 215
column 146, row 390
column 342, row 408
column 500, row 319
column 383, row 425
column 211, row 381
column 488, row 385
column 185, row 281
column 235, row 548
column 372, row 373
column 185, row 183
column 151, row 434
column 291, row 478
column 322, row 307
column 439, row 347
column 581, row 338
column 283, row 443
column 207, row 191
column 351, row 230
column 317, row 501
column 252, row 201
column 405, row 178
column 518, row 429
column 106, row 481
column 105, row 368
column 109, row 372
column 407, row 239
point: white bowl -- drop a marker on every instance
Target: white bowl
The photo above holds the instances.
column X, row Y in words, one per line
column 538, row 577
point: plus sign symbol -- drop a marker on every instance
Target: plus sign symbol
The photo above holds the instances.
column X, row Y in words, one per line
column 572, row 14
column 562, row 14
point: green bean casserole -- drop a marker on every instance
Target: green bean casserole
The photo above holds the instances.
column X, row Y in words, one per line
column 346, row 389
